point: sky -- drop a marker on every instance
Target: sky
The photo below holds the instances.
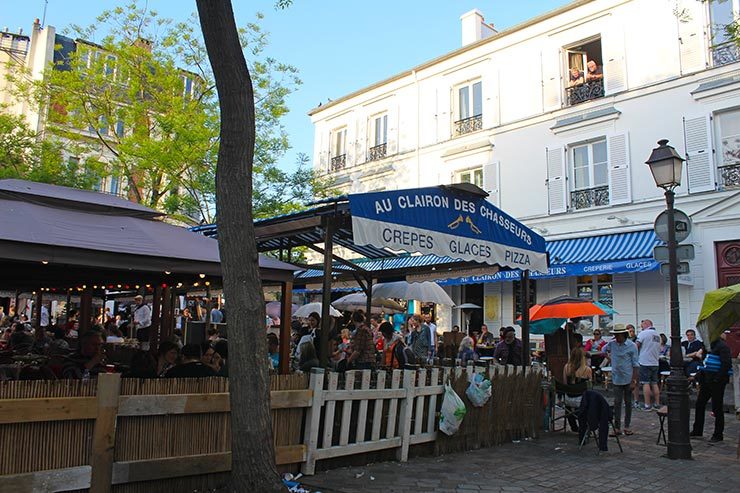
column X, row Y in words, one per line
column 338, row 46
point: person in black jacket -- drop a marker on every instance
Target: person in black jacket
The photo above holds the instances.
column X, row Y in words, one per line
column 191, row 365
column 713, row 377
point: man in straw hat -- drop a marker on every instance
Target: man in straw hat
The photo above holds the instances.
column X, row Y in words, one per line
column 622, row 353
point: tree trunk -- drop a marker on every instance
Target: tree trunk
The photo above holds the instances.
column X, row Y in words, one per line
column 253, row 455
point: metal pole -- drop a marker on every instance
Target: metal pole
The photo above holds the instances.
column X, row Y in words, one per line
column 679, row 446
column 323, row 348
column 525, row 318
column 369, row 294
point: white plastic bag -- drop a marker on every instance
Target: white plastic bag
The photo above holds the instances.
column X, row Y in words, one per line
column 452, row 413
column 479, row 390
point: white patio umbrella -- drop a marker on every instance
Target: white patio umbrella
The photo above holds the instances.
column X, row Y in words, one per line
column 274, row 309
column 426, row 291
column 358, row 301
column 306, row 310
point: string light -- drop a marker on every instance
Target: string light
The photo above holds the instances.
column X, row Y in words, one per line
column 45, row 262
column 208, row 283
column 195, row 284
column 167, row 272
column 202, row 276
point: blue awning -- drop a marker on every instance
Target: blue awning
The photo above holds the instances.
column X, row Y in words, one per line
column 606, row 254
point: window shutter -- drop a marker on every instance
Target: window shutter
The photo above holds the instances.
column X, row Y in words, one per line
column 620, row 191
column 623, row 289
column 615, row 72
column 551, row 79
column 691, row 36
column 363, row 142
column 392, row 128
column 699, row 161
column 556, row 178
column 491, row 182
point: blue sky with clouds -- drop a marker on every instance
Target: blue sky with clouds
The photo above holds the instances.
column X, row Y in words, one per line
column 338, row 46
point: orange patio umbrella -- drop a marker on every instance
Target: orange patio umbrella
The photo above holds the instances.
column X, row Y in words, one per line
column 564, row 307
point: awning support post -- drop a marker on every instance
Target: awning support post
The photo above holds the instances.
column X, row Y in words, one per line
column 525, row 317
column 323, row 349
column 369, row 295
column 286, row 315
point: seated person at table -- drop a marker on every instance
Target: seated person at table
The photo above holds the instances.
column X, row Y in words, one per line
column 665, row 354
column 509, row 351
column 485, row 338
column 167, row 354
column 20, row 340
column 596, row 344
column 58, row 344
column 191, row 365
column 467, row 353
column 114, row 335
column 694, row 350
column 143, row 365
column 576, row 371
column 90, row 357
column 221, row 350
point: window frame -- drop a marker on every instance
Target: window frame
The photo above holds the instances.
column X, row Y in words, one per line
column 383, row 119
column 595, row 282
column 591, row 163
column 471, row 172
column 334, row 140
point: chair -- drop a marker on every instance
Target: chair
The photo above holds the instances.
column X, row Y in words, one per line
column 573, row 390
column 599, row 400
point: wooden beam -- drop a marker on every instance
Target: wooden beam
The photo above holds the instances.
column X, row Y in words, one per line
column 70, row 478
column 290, row 454
column 151, row 405
column 342, row 261
column 104, row 433
column 290, row 399
column 170, row 467
column 286, row 317
column 47, row 409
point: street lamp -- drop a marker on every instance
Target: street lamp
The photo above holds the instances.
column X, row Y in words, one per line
column 666, row 166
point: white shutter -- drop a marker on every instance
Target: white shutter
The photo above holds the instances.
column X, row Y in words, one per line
column 619, row 169
column 392, row 128
column 556, row 181
column 615, row 71
column 623, row 290
column 362, row 142
column 691, row 36
column 699, row 158
column 552, row 91
column 444, row 106
column 491, row 182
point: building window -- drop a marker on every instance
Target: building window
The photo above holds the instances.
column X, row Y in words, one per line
column 589, row 175
column 187, row 86
column 474, row 176
column 722, row 23
column 115, row 185
column 585, row 79
column 110, row 66
column 378, row 138
column 598, row 288
column 517, row 287
column 468, row 108
column 729, row 165
column 338, row 149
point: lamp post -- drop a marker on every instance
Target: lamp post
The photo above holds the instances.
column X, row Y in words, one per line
column 666, row 166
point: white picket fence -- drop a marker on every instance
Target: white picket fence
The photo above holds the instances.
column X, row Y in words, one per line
column 405, row 401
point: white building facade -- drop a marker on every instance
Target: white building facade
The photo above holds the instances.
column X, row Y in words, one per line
column 565, row 153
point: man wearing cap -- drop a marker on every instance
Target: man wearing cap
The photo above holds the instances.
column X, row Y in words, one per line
column 142, row 315
column 713, row 377
column 509, row 351
column 625, row 367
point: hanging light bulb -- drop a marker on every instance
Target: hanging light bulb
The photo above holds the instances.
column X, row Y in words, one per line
column 202, row 276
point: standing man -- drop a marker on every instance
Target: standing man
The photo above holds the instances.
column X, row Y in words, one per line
column 142, row 316
column 432, row 335
column 648, row 342
column 421, row 341
column 713, row 377
column 625, row 368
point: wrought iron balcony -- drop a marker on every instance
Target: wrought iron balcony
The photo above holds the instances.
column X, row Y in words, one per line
column 377, row 152
column 730, row 176
column 338, row 162
column 585, row 92
column 467, row 125
column 724, row 54
column 590, row 197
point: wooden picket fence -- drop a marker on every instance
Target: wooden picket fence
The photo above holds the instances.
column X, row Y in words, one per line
column 147, row 435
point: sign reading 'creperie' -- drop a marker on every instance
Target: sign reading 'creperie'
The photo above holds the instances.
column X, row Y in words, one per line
column 447, row 223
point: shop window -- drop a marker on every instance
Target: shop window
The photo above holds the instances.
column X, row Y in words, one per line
column 585, row 80
column 598, row 288
column 589, row 174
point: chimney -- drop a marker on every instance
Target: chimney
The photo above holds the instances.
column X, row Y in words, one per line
column 474, row 28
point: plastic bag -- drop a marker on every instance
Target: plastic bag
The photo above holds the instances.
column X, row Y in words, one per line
column 452, row 413
column 479, row 390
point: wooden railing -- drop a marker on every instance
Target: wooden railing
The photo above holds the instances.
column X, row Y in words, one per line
column 162, row 430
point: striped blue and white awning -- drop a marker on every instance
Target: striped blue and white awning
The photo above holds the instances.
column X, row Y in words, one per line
column 622, row 246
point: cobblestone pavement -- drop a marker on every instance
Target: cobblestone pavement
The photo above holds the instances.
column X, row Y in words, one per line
column 554, row 463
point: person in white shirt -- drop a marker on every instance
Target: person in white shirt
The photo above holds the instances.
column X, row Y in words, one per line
column 432, row 335
column 142, row 315
column 44, row 316
column 648, row 342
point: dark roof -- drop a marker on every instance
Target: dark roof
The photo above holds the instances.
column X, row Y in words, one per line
column 72, row 198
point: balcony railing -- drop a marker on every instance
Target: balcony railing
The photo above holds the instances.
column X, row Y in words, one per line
column 585, row 92
column 377, row 152
column 467, row 125
column 724, row 54
column 338, row 162
column 729, row 176
column 590, row 197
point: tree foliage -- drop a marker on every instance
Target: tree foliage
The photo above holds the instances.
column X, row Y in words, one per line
column 138, row 98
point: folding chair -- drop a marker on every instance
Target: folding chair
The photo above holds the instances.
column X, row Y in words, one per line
column 592, row 432
column 573, row 390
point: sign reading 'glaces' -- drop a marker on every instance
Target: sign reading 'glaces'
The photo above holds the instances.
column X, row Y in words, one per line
column 446, row 223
